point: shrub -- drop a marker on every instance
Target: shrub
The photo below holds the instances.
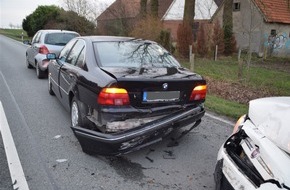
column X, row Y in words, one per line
column 148, row 28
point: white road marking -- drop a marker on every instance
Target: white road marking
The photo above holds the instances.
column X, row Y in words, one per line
column 16, row 171
column 220, row 119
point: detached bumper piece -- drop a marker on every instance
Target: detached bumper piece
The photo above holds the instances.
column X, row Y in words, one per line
column 93, row 142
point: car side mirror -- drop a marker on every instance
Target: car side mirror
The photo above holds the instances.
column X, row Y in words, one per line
column 50, row 56
column 27, row 42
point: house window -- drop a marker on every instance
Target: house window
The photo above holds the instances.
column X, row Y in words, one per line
column 273, row 32
column 237, row 6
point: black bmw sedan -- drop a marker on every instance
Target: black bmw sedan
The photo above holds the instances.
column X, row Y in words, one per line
column 123, row 93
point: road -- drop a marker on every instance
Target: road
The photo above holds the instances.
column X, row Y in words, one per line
column 51, row 156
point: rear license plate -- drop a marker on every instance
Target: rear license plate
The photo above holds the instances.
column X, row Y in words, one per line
column 160, row 96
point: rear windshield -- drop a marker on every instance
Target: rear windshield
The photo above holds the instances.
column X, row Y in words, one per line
column 59, row 39
column 133, row 54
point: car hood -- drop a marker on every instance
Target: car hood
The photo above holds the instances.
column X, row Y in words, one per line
column 151, row 73
column 271, row 116
column 270, row 161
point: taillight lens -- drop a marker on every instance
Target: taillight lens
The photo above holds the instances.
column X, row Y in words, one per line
column 43, row 50
column 114, row 96
column 198, row 93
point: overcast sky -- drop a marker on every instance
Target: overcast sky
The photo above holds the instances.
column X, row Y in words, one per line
column 14, row 11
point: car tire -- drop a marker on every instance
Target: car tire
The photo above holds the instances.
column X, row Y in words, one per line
column 39, row 73
column 28, row 65
column 50, row 91
column 75, row 113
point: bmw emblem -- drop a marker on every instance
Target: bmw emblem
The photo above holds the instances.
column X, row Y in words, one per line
column 165, row 86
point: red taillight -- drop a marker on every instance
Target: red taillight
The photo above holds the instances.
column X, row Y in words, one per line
column 43, row 50
column 198, row 93
column 113, row 96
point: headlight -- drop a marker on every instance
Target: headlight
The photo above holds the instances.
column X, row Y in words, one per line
column 239, row 123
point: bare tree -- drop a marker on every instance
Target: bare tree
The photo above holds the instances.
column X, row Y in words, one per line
column 81, row 7
column 118, row 20
column 228, row 27
column 11, row 25
column 154, row 8
column 251, row 27
column 189, row 12
column 89, row 9
column 143, row 8
column 185, row 30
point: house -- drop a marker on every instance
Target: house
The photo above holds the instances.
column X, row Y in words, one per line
column 204, row 10
column 120, row 15
column 261, row 25
column 124, row 13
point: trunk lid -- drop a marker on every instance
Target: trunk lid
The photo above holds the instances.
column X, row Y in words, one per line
column 149, row 87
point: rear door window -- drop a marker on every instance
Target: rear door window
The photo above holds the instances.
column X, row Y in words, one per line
column 65, row 51
column 36, row 38
column 75, row 53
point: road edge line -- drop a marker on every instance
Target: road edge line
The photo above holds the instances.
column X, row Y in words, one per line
column 16, row 171
column 219, row 119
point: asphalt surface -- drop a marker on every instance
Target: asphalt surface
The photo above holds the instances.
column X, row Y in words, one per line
column 52, row 158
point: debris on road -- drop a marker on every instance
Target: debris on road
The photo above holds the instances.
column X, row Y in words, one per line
column 169, row 154
column 151, row 160
column 57, row 136
column 61, row 160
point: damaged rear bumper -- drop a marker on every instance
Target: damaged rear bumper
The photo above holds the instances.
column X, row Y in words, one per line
column 94, row 142
column 42, row 61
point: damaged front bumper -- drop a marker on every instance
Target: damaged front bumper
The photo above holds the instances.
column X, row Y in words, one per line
column 239, row 168
column 228, row 176
column 93, row 142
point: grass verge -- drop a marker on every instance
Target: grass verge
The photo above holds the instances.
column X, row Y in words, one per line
column 225, row 107
column 264, row 78
column 15, row 34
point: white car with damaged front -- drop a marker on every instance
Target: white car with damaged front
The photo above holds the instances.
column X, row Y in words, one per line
column 257, row 154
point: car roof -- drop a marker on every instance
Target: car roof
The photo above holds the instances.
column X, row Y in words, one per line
column 57, row 31
column 110, row 38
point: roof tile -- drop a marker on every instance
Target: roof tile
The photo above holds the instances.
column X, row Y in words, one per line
column 130, row 9
column 275, row 10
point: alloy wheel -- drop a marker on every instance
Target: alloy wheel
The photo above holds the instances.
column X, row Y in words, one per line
column 74, row 114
